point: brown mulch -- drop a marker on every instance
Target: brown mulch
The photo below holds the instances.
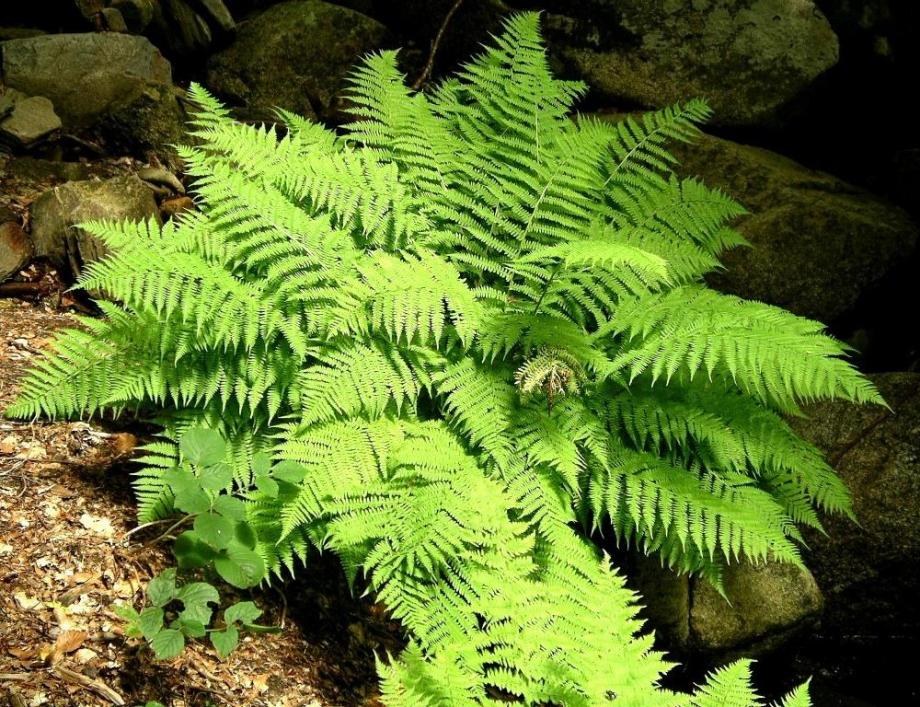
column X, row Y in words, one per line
column 66, row 558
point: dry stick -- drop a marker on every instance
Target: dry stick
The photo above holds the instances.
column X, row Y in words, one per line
column 97, row 686
column 429, row 66
column 166, row 532
column 24, row 289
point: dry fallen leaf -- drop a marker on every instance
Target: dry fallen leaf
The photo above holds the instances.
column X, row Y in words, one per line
column 66, row 642
column 25, row 602
column 97, row 524
column 8, row 444
column 33, row 453
column 123, row 443
column 22, row 653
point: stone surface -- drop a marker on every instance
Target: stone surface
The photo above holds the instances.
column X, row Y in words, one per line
column 38, row 170
column 183, row 30
column 56, row 213
column 217, row 13
column 9, row 97
column 818, row 242
column 118, row 84
column 114, row 20
column 665, row 597
column 15, row 249
column 749, row 58
column 766, row 605
column 293, row 56
column 870, row 571
column 137, row 14
column 30, row 120
column 84, row 75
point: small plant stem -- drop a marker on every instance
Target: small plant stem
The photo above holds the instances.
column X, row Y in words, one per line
column 429, row 65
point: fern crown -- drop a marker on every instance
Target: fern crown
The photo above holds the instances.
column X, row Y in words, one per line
column 470, row 332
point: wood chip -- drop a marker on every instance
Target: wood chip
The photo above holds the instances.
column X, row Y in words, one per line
column 96, row 686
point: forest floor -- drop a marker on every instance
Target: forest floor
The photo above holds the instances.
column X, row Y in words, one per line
column 68, row 556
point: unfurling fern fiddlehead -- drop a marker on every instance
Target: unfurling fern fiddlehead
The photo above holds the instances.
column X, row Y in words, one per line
column 456, row 331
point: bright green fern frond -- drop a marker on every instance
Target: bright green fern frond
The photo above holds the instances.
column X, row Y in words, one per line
column 766, row 351
column 729, row 686
column 644, row 496
column 356, row 380
column 445, row 345
column 797, row 698
column 412, row 298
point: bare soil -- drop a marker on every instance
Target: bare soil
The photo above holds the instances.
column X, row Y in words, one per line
column 67, row 556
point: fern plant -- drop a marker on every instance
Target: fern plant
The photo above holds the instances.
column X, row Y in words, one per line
column 469, row 332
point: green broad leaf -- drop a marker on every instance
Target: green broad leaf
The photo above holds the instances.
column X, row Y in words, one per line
column 240, row 566
column 203, row 446
column 230, row 507
column 190, row 552
column 289, row 471
column 192, row 500
column 127, row 612
column 261, row 464
column 162, row 588
column 167, row 644
column 181, row 479
column 245, row 535
column 215, row 530
column 225, row 641
column 132, row 619
column 267, row 485
column 190, row 627
column 150, row 622
column 243, row 611
column 198, row 593
column 218, row 477
column 200, row 613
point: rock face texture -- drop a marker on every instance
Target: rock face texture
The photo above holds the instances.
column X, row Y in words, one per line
column 118, row 83
column 749, row 58
column 867, row 570
column 766, row 604
column 15, row 249
column 294, row 56
column 29, row 121
column 56, row 213
column 818, row 242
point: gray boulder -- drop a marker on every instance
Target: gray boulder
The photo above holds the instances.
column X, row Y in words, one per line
column 749, row 58
column 293, row 56
column 818, row 242
column 30, row 120
column 870, row 570
column 56, row 213
column 764, row 606
column 118, row 84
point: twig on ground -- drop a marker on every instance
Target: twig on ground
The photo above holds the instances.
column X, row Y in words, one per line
column 100, row 688
column 166, row 532
column 429, row 65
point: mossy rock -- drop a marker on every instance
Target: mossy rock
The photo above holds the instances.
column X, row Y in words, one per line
column 293, row 56
column 749, row 58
